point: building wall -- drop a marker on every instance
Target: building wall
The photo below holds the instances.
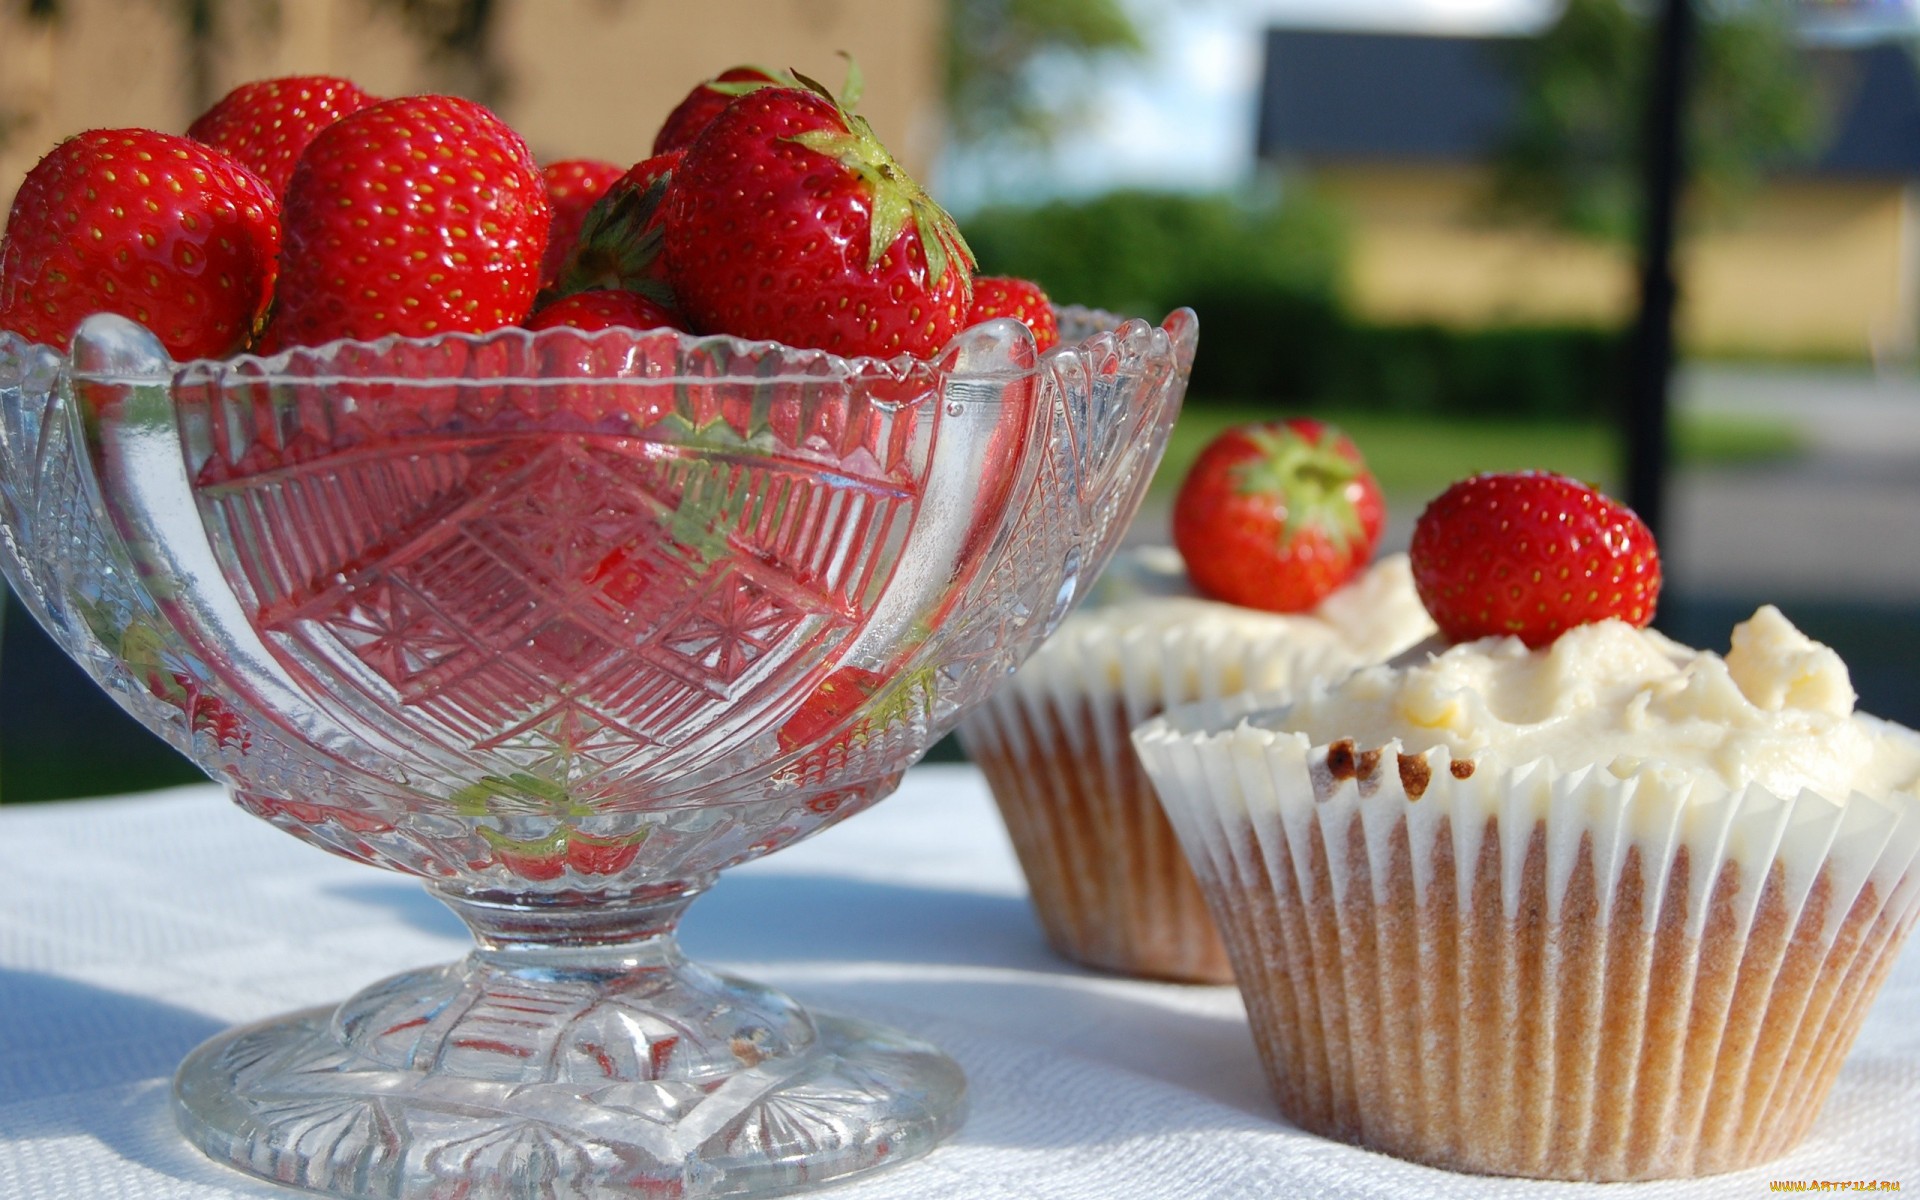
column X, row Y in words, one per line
column 588, row 77
column 1811, row 267
column 1821, row 267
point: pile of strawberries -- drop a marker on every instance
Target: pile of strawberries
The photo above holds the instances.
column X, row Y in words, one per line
column 300, row 211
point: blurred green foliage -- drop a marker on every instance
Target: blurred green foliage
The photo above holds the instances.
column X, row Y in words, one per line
column 1149, row 252
column 1313, row 353
column 1572, row 155
column 993, row 89
column 1264, row 273
column 1416, row 457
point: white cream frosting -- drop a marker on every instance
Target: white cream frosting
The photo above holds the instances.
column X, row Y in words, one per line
column 1610, row 738
column 1145, row 623
column 1777, row 711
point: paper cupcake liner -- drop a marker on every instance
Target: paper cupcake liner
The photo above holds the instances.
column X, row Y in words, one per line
column 1110, row 884
column 1530, row 972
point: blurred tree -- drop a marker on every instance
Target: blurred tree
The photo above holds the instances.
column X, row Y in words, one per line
column 994, row 52
column 1572, row 156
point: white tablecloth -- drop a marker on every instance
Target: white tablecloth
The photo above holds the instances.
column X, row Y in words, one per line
column 131, row 929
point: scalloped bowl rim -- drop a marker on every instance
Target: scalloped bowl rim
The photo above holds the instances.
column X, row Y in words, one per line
column 271, row 368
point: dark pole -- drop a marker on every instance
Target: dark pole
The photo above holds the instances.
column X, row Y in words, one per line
column 1651, row 367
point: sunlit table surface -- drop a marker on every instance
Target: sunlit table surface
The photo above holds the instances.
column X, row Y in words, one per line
column 132, row 928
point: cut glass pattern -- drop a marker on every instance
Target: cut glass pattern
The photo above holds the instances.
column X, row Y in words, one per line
column 563, row 624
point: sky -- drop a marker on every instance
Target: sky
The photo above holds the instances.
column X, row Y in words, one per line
column 1184, row 117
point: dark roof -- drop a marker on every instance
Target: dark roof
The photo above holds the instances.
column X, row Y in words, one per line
column 1876, row 106
column 1330, row 96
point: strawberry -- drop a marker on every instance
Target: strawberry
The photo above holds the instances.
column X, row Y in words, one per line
column 1531, row 554
column 606, row 309
column 542, row 860
column 536, row 861
column 266, row 124
column 1005, row 296
column 788, row 220
column 1277, row 515
column 415, row 216
column 573, row 186
column 618, row 242
column 836, row 699
column 163, row 229
column 690, row 118
column 706, row 101
column 602, row 856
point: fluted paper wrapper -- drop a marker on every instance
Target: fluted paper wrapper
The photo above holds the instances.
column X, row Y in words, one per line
column 1110, row 884
column 1532, row 972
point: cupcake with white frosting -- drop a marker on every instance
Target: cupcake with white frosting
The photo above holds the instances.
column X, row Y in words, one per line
column 1110, row 885
column 1602, row 908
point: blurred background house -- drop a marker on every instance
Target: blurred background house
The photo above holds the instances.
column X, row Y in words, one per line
column 1416, row 217
column 1403, row 132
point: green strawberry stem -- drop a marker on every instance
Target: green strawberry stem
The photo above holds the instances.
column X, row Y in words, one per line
column 897, row 198
column 851, row 88
column 618, row 244
column 908, row 693
column 517, row 793
column 1314, row 478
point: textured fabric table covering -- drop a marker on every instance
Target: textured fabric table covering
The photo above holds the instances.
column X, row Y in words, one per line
column 131, row 929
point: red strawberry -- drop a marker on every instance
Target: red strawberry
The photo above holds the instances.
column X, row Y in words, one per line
column 1531, row 554
column 156, row 227
column 618, row 242
column 267, row 123
column 602, row 856
column 1004, row 296
column 534, row 861
column 1277, row 515
column 415, row 216
column 573, row 186
column 606, row 309
column 837, row 697
column 692, row 115
column 787, row 220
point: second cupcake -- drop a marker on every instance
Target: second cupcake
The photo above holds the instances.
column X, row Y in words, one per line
column 1277, row 516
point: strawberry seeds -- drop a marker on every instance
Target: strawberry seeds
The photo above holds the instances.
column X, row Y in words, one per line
column 303, row 210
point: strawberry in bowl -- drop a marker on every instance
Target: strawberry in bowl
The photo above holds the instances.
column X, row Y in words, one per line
column 414, row 216
column 851, row 255
column 162, row 229
column 565, row 620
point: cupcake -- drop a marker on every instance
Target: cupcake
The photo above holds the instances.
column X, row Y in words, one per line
column 1110, row 886
column 1598, row 907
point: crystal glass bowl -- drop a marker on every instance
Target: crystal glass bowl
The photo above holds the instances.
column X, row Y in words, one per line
column 564, row 624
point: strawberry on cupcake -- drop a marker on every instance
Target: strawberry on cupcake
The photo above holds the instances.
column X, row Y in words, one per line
column 1562, row 898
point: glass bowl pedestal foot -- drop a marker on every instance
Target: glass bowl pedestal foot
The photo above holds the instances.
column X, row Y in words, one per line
column 576, row 1052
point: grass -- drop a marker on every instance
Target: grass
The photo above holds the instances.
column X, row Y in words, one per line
column 1418, row 455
